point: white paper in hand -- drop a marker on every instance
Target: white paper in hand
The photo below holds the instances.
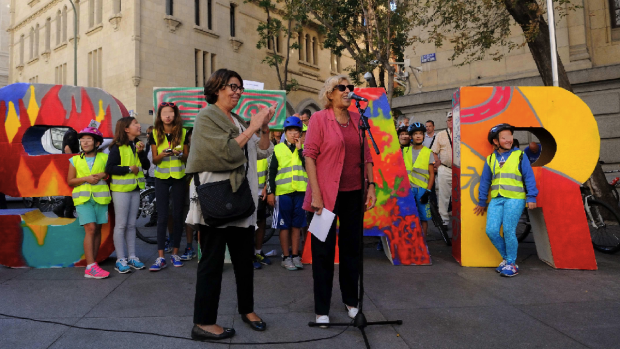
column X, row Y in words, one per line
column 320, row 224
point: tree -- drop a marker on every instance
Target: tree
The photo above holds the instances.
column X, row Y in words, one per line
column 485, row 27
column 292, row 15
column 371, row 31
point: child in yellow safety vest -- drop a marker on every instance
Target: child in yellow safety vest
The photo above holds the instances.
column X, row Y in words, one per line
column 510, row 177
column 287, row 179
column 126, row 160
column 419, row 163
column 91, row 196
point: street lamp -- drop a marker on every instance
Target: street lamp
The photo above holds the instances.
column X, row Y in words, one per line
column 75, row 30
column 554, row 50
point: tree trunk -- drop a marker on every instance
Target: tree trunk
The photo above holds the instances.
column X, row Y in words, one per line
column 525, row 13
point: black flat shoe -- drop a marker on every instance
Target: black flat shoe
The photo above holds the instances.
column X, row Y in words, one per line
column 198, row 334
column 255, row 325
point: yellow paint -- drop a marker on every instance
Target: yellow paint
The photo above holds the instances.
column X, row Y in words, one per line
column 33, row 107
column 476, row 248
column 12, row 124
column 573, row 126
column 51, row 182
column 38, row 223
column 101, row 114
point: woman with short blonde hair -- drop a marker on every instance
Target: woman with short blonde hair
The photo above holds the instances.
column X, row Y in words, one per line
column 333, row 153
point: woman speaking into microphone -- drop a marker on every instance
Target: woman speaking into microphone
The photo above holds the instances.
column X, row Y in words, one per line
column 333, row 152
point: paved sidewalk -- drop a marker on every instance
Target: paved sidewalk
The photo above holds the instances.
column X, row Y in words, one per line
column 442, row 306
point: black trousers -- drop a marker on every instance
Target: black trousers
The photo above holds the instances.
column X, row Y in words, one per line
column 348, row 211
column 213, row 243
column 164, row 194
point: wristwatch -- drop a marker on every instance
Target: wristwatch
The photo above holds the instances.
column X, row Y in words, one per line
column 373, row 183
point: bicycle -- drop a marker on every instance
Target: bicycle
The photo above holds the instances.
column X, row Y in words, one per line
column 614, row 184
column 44, row 204
column 438, row 222
column 524, row 227
column 604, row 223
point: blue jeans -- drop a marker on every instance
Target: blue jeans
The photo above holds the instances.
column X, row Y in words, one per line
column 506, row 212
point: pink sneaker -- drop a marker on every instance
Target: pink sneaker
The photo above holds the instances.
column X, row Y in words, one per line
column 95, row 272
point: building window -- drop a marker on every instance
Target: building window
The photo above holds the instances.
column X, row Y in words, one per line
column 614, row 7
column 197, row 13
column 64, row 24
column 31, row 42
column 48, row 34
column 94, row 68
column 36, row 41
column 117, row 6
column 91, row 13
column 300, row 42
column 308, row 48
column 60, row 77
column 33, row 80
column 232, row 20
column 99, row 12
column 315, row 51
column 169, row 7
column 209, row 16
column 204, row 66
column 21, row 49
column 58, row 27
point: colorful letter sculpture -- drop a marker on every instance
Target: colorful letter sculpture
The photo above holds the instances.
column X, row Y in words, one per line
column 395, row 217
column 29, row 110
column 191, row 99
column 570, row 142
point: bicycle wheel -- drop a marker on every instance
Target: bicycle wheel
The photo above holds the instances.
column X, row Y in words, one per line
column 604, row 226
column 524, row 227
column 28, row 202
column 268, row 234
column 146, row 202
column 47, row 203
column 439, row 224
column 614, row 192
column 144, row 238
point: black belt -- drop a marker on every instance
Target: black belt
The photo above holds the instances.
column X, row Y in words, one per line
column 450, row 167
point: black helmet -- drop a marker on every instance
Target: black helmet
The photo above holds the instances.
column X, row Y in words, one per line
column 495, row 130
column 401, row 129
column 416, row 126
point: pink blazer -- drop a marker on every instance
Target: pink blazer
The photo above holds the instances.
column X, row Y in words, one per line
column 325, row 144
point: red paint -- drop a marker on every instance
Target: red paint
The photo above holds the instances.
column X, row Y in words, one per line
column 12, row 239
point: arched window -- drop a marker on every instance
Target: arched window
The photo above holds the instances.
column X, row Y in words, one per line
column 315, row 51
column 58, row 27
column 64, row 24
column 21, row 50
column 308, row 48
column 31, row 42
column 36, row 41
column 48, row 33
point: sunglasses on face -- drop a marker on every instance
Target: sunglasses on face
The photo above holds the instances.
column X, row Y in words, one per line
column 235, row 87
column 167, row 104
column 342, row 88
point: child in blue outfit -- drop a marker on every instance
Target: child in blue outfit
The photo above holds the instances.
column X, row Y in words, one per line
column 511, row 180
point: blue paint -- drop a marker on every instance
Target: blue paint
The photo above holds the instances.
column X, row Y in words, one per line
column 62, row 247
column 13, row 93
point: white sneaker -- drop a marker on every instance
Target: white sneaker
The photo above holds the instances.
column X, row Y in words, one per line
column 322, row 319
column 287, row 264
column 297, row 263
column 351, row 311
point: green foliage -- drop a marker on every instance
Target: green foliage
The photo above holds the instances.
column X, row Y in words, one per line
column 481, row 28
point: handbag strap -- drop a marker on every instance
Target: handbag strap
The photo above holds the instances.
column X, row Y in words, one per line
column 245, row 150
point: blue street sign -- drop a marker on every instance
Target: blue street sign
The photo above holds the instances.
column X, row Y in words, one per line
column 428, row 58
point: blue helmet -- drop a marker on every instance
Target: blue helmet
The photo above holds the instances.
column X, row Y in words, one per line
column 416, row 126
column 293, row 121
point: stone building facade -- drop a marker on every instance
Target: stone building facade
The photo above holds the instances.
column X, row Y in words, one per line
column 588, row 42
column 5, row 19
column 127, row 47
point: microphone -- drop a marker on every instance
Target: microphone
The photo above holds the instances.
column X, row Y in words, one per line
column 356, row 97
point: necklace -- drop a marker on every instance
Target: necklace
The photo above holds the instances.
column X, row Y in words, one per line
column 344, row 126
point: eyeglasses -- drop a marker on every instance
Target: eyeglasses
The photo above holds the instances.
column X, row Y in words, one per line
column 342, row 88
column 167, row 104
column 235, row 87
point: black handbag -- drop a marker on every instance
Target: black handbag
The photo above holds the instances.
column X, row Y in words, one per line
column 220, row 205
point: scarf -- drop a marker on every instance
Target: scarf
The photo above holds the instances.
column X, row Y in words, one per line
column 214, row 148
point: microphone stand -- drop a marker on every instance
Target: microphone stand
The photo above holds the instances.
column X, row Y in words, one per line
column 360, row 320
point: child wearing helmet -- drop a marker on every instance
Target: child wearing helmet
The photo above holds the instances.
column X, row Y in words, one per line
column 403, row 136
column 91, row 196
column 510, row 177
column 287, row 179
column 419, row 162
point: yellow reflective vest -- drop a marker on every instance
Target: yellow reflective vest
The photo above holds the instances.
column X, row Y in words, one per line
column 170, row 166
column 261, row 167
column 129, row 181
column 507, row 180
column 418, row 171
column 291, row 176
column 100, row 192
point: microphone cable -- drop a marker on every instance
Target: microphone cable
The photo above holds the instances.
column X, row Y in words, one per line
column 170, row 336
